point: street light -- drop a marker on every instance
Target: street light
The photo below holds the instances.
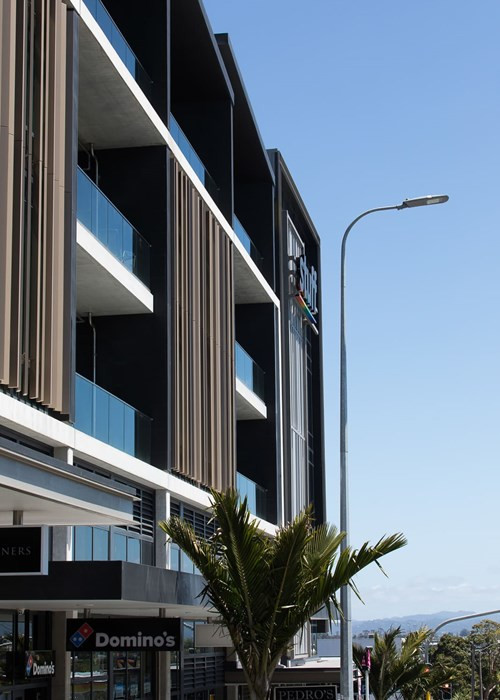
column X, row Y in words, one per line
column 345, row 597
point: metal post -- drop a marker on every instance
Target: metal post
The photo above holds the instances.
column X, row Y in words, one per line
column 473, row 671
column 346, row 679
column 480, row 675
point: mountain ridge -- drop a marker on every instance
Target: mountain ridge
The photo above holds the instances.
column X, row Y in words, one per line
column 408, row 623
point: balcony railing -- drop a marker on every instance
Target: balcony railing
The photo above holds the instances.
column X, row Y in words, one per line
column 108, row 225
column 249, row 372
column 193, row 159
column 120, row 45
column 247, row 241
column 256, row 495
column 108, row 418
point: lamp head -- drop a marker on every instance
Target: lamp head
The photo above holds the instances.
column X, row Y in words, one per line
column 424, row 201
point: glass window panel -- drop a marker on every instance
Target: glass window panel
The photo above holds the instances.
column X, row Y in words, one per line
column 100, row 690
column 133, row 659
column 101, row 544
column 120, row 45
column 127, row 256
column 174, row 557
column 116, row 421
column 99, row 663
column 101, row 415
column 147, row 553
column 186, row 563
column 188, row 632
column 81, row 691
column 84, row 200
column 102, row 224
column 119, row 547
column 148, row 676
column 83, row 543
column 6, row 635
column 115, row 222
column 104, row 21
column 129, row 430
column 130, row 62
column 133, row 550
column 134, row 682
column 119, row 686
column 81, row 664
column 83, row 400
column 119, row 660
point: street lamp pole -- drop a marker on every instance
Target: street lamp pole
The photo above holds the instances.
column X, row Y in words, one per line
column 346, row 689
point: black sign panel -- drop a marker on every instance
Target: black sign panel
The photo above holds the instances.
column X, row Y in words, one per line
column 39, row 664
column 22, row 550
column 123, row 634
column 305, row 692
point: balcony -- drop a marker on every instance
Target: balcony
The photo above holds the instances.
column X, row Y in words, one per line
column 250, row 387
column 256, row 495
column 247, row 241
column 118, row 42
column 113, row 111
column 113, row 259
column 111, row 420
column 193, row 159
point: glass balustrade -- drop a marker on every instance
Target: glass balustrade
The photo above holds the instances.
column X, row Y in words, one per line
column 106, row 223
column 249, row 372
column 256, row 495
column 247, row 241
column 120, row 45
column 108, row 418
column 193, row 159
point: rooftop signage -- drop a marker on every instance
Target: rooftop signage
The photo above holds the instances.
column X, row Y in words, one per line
column 23, row 550
column 123, row 634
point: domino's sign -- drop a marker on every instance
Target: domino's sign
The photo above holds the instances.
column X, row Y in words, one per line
column 123, row 634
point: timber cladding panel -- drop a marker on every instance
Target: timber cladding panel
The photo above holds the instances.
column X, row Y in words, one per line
column 34, row 294
column 204, row 418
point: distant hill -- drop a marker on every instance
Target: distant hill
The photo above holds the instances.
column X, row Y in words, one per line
column 413, row 622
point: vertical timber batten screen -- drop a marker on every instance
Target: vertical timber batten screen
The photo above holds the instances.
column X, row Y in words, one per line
column 203, row 343
column 34, row 296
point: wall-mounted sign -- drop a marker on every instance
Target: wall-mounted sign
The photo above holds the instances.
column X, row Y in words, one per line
column 212, row 635
column 122, row 634
column 23, row 550
column 305, row 692
column 39, row 664
column 306, row 283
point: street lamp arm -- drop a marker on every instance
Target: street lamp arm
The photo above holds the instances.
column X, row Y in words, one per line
column 447, row 622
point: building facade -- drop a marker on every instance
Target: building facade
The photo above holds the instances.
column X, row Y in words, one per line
column 160, row 335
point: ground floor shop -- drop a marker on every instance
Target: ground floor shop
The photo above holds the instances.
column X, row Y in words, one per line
column 35, row 665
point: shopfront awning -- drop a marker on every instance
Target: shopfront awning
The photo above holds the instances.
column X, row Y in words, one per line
column 107, row 588
column 49, row 491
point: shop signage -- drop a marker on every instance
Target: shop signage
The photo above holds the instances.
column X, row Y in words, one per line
column 306, row 283
column 122, row 634
column 305, row 692
column 39, row 664
column 23, row 550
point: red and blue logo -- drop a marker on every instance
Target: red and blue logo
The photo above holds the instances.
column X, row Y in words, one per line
column 81, row 635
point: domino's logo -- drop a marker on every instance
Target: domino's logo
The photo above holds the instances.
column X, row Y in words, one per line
column 81, row 635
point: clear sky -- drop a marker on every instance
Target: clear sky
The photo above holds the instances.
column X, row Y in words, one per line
column 370, row 102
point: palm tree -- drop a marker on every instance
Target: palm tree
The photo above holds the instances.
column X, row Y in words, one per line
column 402, row 673
column 266, row 589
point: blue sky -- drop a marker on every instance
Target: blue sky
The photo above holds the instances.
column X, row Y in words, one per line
column 371, row 102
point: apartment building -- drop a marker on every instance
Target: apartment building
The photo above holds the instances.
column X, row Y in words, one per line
column 160, row 335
